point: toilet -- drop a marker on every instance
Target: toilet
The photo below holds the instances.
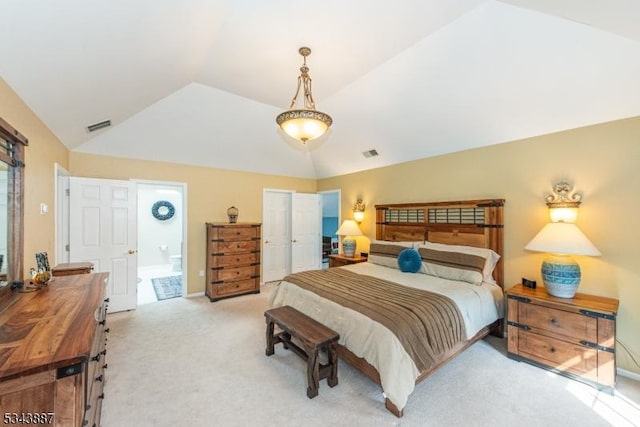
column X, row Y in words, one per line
column 176, row 262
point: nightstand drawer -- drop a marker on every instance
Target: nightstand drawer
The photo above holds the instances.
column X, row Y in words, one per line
column 559, row 355
column 571, row 325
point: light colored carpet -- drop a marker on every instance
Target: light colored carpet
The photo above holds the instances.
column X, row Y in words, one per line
column 189, row 362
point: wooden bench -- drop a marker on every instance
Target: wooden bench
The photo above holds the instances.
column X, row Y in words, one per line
column 313, row 336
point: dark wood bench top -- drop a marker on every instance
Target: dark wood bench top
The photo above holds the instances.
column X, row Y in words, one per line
column 313, row 334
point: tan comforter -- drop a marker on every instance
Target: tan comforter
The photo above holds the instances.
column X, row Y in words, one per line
column 427, row 324
column 373, row 341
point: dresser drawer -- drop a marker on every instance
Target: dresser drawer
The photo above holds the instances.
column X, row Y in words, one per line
column 234, row 233
column 231, row 288
column 560, row 355
column 235, row 273
column 240, row 258
column 224, row 248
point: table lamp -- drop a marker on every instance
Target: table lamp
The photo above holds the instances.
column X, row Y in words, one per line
column 349, row 228
column 560, row 239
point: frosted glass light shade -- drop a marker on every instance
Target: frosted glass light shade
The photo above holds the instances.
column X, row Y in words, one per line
column 563, row 214
column 304, row 125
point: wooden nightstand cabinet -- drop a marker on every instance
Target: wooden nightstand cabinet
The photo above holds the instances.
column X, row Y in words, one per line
column 340, row 260
column 574, row 337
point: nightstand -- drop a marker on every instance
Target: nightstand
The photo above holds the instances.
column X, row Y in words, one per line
column 574, row 337
column 340, row 260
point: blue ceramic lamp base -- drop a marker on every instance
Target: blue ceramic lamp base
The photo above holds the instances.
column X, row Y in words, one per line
column 349, row 247
column 561, row 276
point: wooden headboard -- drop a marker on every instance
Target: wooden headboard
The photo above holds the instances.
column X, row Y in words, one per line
column 477, row 223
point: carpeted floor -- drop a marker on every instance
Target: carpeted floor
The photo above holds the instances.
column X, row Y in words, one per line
column 189, row 362
column 167, row 287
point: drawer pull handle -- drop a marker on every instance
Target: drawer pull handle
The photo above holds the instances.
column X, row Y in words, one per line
column 105, row 366
column 102, row 322
column 87, row 407
column 101, row 396
column 552, row 350
column 99, row 378
column 96, row 358
column 554, row 321
column 106, row 330
column 106, row 300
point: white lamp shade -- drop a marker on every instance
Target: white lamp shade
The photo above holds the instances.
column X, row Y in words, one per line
column 349, row 228
column 562, row 238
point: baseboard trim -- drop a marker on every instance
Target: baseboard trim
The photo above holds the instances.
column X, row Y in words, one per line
column 628, row 374
column 195, row 294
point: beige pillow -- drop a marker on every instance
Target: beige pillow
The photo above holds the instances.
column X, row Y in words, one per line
column 450, row 265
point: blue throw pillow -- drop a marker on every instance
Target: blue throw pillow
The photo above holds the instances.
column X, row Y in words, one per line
column 409, row 261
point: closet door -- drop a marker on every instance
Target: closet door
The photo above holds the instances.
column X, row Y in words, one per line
column 276, row 235
column 291, row 228
column 306, row 243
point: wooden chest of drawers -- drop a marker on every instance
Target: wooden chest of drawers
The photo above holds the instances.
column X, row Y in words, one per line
column 233, row 259
column 574, row 337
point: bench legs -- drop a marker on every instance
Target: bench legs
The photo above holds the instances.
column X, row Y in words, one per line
column 315, row 372
column 270, row 340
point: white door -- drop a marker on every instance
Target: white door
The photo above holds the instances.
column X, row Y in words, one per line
column 276, row 235
column 103, row 231
column 306, row 247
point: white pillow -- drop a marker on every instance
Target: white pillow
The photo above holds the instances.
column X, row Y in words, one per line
column 489, row 255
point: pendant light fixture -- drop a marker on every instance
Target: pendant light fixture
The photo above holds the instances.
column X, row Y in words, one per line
column 304, row 124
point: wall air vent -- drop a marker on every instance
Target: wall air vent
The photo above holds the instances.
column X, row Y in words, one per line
column 370, row 153
column 96, row 126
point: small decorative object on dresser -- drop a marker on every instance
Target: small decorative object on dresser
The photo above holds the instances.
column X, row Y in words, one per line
column 573, row 337
column 233, row 260
column 232, row 213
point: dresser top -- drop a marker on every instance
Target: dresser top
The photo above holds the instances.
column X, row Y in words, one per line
column 235, row 224
column 52, row 327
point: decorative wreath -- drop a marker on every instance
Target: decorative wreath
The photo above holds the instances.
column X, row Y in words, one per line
column 163, row 210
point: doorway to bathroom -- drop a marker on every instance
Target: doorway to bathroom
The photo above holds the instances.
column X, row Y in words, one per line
column 161, row 241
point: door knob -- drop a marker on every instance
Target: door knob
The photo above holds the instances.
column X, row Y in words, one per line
column 132, row 251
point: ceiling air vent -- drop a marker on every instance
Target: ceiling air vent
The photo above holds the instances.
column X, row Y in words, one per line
column 96, row 126
column 370, row 153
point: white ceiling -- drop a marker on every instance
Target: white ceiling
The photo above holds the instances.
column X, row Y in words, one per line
column 201, row 81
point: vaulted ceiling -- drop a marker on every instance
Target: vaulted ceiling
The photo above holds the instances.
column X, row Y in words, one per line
column 201, row 81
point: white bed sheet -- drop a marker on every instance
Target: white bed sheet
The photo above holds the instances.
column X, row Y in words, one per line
column 479, row 305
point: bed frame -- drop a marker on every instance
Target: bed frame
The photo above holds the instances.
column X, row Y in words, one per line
column 477, row 223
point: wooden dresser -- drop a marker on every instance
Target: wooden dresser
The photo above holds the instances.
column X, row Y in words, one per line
column 52, row 353
column 233, row 259
column 70, row 268
column 575, row 337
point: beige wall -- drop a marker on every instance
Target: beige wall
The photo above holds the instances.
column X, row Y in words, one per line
column 602, row 161
column 43, row 151
column 209, row 193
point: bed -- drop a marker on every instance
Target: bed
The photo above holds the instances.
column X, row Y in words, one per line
column 398, row 327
